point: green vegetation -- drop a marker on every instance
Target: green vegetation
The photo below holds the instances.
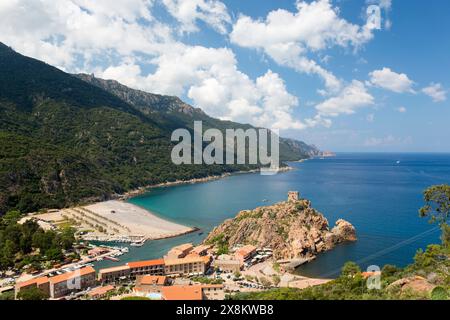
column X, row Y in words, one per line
column 33, row 294
column 7, row 296
column 221, row 243
column 135, row 298
column 431, row 266
column 29, row 245
column 437, row 207
column 206, row 280
column 351, row 285
column 64, row 140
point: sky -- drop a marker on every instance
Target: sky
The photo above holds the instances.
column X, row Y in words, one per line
column 345, row 75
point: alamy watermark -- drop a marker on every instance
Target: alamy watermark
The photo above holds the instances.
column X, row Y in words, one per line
column 243, row 147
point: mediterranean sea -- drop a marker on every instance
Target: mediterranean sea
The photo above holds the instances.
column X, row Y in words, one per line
column 379, row 193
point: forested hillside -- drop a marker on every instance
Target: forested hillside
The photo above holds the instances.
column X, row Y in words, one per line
column 63, row 139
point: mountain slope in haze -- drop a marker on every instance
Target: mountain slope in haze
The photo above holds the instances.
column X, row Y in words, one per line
column 178, row 112
column 63, row 140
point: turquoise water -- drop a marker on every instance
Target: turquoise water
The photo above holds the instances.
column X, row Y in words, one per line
column 378, row 195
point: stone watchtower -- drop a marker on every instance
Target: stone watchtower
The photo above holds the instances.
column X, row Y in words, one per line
column 293, row 196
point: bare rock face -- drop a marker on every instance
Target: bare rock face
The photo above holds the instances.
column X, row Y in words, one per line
column 414, row 283
column 344, row 231
column 293, row 229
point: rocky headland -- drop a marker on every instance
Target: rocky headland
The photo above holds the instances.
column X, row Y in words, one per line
column 292, row 229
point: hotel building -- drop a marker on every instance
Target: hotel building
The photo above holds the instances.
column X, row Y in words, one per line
column 149, row 267
column 114, row 274
column 40, row 283
column 69, row 282
column 185, row 266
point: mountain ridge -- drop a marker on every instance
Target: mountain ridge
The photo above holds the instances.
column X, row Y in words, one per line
column 178, row 110
column 63, row 140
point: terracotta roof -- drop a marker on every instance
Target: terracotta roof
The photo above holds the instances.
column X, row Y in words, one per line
column 182, row 292
column 189, row 259
column 201, row 248
column 36, row 281
column 245, row 250
column 153, row 280
column 69, row 275
column 114, row 269
column 100, row 291
column 147, row 263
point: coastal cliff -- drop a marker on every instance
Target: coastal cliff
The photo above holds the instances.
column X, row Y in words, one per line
column 292, row 229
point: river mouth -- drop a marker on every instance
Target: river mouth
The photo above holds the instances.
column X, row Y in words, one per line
column 374, row 192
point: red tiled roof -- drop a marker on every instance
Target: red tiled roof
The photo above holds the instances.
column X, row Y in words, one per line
column 36, row 281
column 69, row 275
column 100, row 291
column 148, row 263
column 155, row 280
column 245, row 250
column 182, row 292
column 201, row 248
column 114, row 269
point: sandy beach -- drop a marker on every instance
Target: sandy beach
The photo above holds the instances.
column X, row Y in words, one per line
column 112, row 220
column 138, row 220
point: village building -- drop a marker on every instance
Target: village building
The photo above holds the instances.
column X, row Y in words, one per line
column 201, row 250
column 185, row 266
column 100, row 292
column 180, row 251
column 67, row 283
column 245, row 253
column 227, row 263
column 149, row 267
column 213, row 292
column 194, row 292
column 150, row 284
column 41, row 283
column 114, row 274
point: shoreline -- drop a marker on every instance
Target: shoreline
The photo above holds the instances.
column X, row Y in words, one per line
column 154, row 216
column 142, row 190
column 153, row 222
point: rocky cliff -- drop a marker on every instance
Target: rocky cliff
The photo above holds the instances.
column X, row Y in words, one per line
column 293, row 229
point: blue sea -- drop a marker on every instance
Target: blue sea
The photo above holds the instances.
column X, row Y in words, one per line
column 379, row 193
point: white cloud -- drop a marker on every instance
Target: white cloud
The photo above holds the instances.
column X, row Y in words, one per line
column 110, row 40
column 390, row 80
column 401, row 109
column 354, row 96
column 210, row 77
column 436, row 92
column 72, row 34
column 287, row 37
column 122, row 40
column 187, row 12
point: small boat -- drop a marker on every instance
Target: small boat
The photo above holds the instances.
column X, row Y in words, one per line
column 265, row 200
column 112, row 258
column 200, row 233
column 138, row 243
column 398, row 162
